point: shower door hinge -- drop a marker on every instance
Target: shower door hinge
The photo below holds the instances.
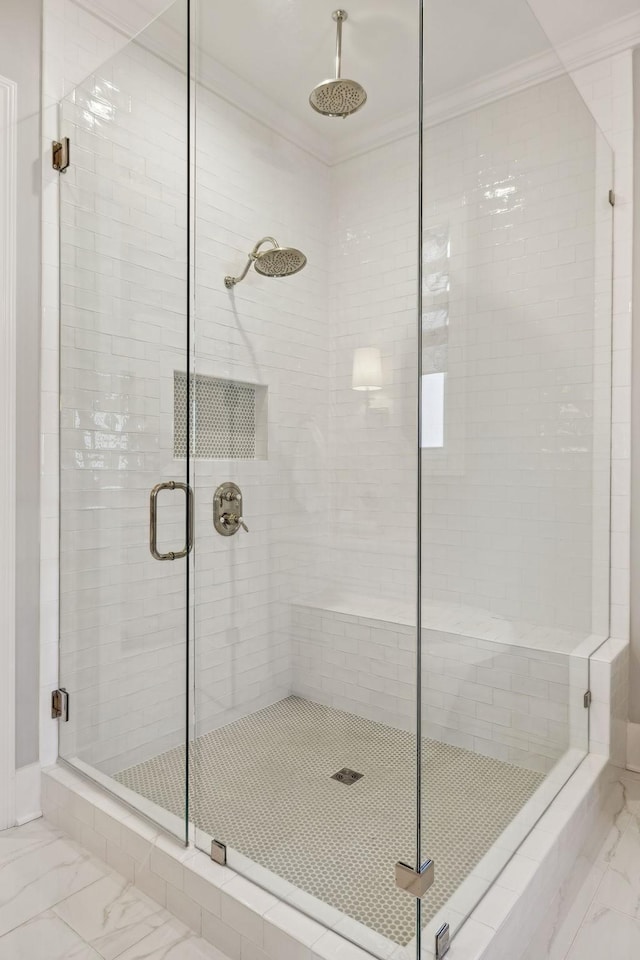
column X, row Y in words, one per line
column 61, row 154
column 443, row 941
column 587, row 699
column 612, row 198
column 219, row 852
column 60, row 705
column 415, row 882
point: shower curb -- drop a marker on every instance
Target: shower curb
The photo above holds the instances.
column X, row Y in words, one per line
column 240, row 918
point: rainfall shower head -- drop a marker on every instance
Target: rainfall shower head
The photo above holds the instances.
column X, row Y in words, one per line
column 279, row 262
column 276, row 262
column 338, row 97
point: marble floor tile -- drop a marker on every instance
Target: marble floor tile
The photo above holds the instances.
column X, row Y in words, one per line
column 59, row 903
column 17, row 842
column 111, row 915
column 45, row 937
column 606, row 933
column 43, row 876
column 620, row 886
column 611, row 920
column 631, row 786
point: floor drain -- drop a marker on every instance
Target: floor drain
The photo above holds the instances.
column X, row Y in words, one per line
column 347, row 776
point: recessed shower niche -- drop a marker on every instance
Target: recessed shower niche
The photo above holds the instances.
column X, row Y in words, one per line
column 227, row 418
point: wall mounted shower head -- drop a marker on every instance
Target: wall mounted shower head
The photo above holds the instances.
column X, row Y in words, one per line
column 338, row 97
column 276, row 262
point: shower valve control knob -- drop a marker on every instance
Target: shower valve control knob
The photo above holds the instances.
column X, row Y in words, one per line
column 231, row 521
column 238, row 522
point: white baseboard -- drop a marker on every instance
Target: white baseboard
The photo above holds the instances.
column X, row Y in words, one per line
column 633, row 747
column 28, row 793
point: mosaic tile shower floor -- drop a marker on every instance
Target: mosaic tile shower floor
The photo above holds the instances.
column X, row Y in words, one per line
column 263, row 786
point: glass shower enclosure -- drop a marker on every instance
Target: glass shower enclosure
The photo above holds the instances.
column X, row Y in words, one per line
column 334, row 437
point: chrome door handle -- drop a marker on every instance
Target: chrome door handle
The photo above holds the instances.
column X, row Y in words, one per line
column 153, row 520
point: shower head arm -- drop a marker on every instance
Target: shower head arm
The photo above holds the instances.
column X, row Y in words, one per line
column 339, row 16
column 254, row 252
column 231, row 281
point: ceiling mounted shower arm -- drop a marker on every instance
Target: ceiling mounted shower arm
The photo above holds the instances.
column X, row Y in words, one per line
column 338, row 97
column 230, row 281
column 339, row 16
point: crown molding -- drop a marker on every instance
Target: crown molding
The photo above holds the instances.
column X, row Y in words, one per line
column 168, row 44
column 615, row 37
column 163, row 40
column 126, row 19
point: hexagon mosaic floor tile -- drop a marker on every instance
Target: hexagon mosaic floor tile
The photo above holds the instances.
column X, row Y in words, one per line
column 264, row 786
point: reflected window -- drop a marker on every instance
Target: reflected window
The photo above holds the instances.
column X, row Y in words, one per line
column 432, row 410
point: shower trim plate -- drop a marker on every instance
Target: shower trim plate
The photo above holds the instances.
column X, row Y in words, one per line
column 227, row 509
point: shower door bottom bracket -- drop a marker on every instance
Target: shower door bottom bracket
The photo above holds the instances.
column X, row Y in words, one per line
column 219, row 852
column 443, row 941
column 415, row 882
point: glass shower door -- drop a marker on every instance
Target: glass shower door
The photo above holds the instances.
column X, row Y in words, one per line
column 515, row 459
column 303, row 764
column 125, row 500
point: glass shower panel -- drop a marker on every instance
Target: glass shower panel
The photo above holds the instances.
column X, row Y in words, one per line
column 304, row 760
column 124, row 494
column 516, row 358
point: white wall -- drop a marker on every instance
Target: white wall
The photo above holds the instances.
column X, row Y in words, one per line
column 20, row 42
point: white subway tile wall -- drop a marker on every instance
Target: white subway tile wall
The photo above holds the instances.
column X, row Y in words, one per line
column 372, row 546
column 508, row 502
column 504, row 700
column 274, row 332
column 124, row 335
column 123, row 217
column 517, row 291
column 372, row 458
